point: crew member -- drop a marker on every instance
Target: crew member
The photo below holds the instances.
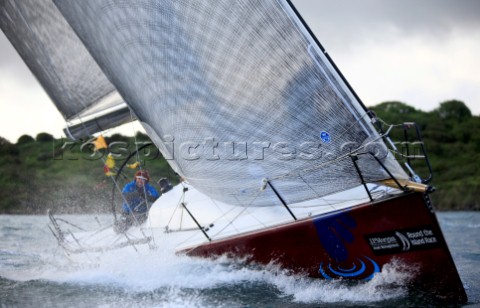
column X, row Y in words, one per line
column 138, row 196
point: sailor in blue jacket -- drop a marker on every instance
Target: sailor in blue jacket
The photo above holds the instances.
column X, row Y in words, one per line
column 138, row 196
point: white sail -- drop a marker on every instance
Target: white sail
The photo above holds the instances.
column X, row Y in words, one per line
column 234, row 92
column 60, row 62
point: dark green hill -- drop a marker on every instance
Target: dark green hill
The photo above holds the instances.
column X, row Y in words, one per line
column 44, row 173
column 452, row 139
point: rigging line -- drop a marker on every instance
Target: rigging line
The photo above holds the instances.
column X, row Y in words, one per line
column 194, row 233
column 117, row 238
column 387, row 124
column 213, row 201
column 254, row 217
column 97, row 232
column 181, row 214
column 406, row 156
column 69, row 223
column 144, row 188
column 72, row 250
column 228, row 212
column 315, row 167
column 129, row 241
column 88, row 236
column 241, row 212
column 311, row 188
column 223, row 214
column 351, row 126
column 375, row 194
column 347, row 129
column 251, row 214
column 334, row 139
column 181, row 199
column 174, row 211
column 231, row 222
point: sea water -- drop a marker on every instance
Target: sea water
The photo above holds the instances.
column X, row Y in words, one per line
column 36, row 272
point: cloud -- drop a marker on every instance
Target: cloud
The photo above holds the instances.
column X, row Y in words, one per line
column 422, row 76
column 12, row 65
column 26, row 109
column 349, row 19
column 419, row 52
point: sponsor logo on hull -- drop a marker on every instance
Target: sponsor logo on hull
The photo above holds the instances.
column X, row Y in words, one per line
column 405, row 240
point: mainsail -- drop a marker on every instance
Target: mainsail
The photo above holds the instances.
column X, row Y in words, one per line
column 62, row 65
column 233, row 93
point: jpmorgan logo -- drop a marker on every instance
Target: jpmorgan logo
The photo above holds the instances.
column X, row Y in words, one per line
column 403, row 240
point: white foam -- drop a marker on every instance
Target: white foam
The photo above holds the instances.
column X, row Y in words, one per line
column 150, row 270
column 390, row 283
column 161, row 270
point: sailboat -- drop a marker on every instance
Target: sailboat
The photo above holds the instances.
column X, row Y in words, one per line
column 249, row 109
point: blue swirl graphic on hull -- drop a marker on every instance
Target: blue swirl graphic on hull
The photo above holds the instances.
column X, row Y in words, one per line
column 334, row 232
column 352, row 272
column 354, row 267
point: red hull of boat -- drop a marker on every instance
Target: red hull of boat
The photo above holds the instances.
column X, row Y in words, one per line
column 356, row 243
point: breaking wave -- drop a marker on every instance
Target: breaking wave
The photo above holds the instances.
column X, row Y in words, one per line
column 159, row 277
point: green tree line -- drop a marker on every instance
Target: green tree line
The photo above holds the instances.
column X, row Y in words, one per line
column 43, row 173
column 451, row 135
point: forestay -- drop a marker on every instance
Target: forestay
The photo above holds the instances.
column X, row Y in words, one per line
column 233, row 92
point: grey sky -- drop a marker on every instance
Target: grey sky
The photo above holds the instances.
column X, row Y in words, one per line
column 9, row 60
column 420, row 52
column 348, row 19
